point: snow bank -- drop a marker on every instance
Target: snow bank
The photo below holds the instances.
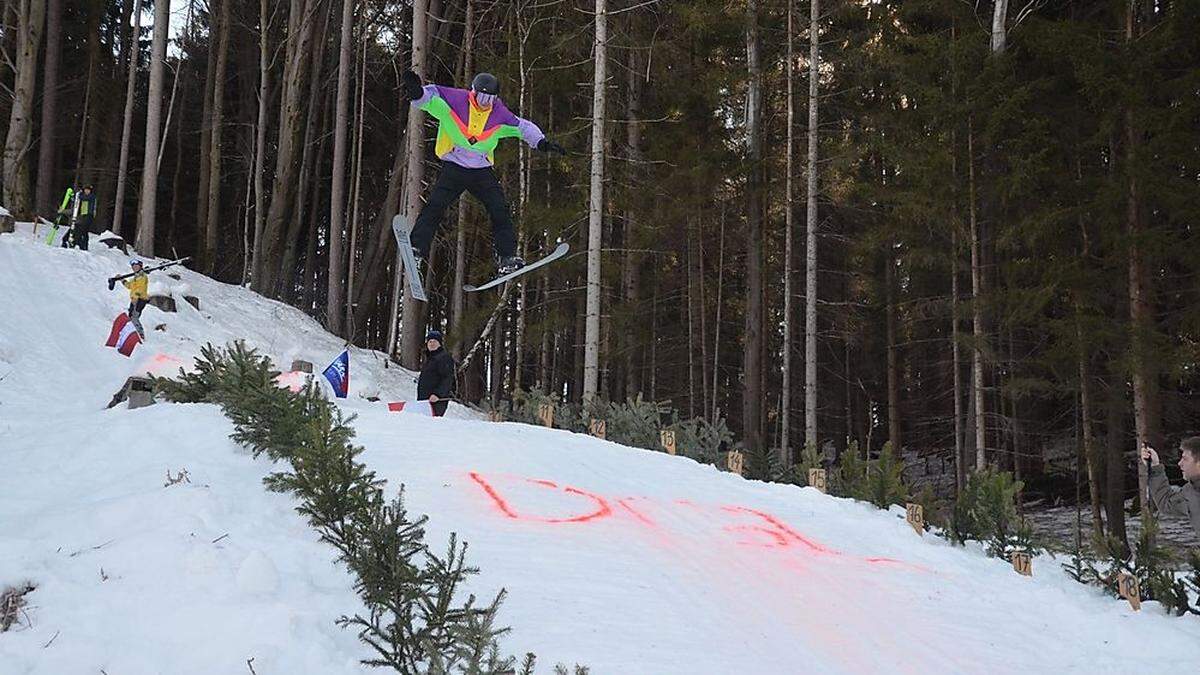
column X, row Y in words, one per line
column 626, row 560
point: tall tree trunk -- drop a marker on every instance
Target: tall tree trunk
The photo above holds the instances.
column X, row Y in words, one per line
column 1115, row 465
column 960, row 459
column 313, row 119
column 148, row 199
column 693, row 314
column 893, row 351
column 717, row 318
column 410, row 338
column 752, row 389
column 356, row 186
column 999, row 27
column 213, row 197
column 18, row 195
column 629, row 262
column 1141, row 311
column 89, row 139
column 48, row 144
column 591, row 370
column 127, row 124
column 206, row 129
column 260, row 140
column 303, row 23
column 977, row 326
column 337, row 195
column 810, row 267
column 1085, row 420
column 785, row 407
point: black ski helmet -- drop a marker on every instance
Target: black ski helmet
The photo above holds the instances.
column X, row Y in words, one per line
column 486, row 83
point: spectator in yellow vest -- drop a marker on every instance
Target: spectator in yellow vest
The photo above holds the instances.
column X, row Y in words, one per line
column 85, row 218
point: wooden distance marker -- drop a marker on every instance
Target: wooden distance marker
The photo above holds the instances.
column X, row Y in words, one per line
column 1127, row 586
column 816, row 478
column 598, row 428
column 546, row 414
column 735, row 461
column 1022, row 562
column 915, row 515
column 667, row 438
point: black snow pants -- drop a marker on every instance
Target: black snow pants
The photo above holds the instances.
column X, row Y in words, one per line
column 484, row 186
column 79, row 236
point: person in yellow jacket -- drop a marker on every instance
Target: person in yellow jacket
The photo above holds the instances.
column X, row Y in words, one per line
column 139, row 294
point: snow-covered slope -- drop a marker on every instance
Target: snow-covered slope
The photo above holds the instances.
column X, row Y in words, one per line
column 626, row 560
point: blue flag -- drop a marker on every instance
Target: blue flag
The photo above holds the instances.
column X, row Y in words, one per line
column 338, row 374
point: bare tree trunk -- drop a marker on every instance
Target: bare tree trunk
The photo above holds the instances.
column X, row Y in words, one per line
column 337, row 197
column 393, row 188
column 977, row 292
column 752, row 390
column 591, row 370
column 87, row 170
column 810, row 266
column 213, row 211
column 629, row 263
column 314, row 114
column 48, row 144
column 260, row 138
column 414, row 173
column 693, row 314
column 18, row 195
column 127, row 125
column 999, row 27
column 1141, row 311
column 1085, row 420
column 1114, row 464
column 785, row 406
column 148, row 200
column 206, row 128
column 717, row 318
column 303, row 22
column 960, row 460
column 893, row 356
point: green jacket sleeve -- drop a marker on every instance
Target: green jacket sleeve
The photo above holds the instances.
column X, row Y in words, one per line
column 1166, row 498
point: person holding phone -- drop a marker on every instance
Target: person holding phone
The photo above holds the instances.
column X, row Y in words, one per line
column 1177, row 501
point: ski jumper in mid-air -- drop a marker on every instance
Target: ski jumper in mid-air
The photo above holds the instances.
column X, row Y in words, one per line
column 470, row 125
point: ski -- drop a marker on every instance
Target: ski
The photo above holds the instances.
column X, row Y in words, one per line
column 402, row 228
column 112, row 281
column 557, row 253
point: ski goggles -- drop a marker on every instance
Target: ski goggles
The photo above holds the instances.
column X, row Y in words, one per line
column 484, row 100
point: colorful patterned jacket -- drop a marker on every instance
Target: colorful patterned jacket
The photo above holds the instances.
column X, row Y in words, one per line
column 468, row 135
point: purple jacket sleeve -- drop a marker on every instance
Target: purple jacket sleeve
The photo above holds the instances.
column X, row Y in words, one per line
column 530, row 133
column 429, row 91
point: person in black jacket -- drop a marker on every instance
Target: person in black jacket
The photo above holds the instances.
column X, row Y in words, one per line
column 436, row 383
column 87, row 216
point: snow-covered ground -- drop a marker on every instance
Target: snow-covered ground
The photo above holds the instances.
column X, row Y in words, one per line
column 625, row 560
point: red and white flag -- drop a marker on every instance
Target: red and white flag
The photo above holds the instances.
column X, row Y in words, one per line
column 124, row 336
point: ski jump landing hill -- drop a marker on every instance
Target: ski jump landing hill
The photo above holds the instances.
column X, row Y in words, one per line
column 626, row 560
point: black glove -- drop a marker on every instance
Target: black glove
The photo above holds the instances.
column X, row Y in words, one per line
column 547, row 145
column 410, row 85
column 112, row 283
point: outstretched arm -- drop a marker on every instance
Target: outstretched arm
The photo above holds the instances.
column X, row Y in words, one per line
column 413, row 89
column 530, row 133
column 537, row 140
